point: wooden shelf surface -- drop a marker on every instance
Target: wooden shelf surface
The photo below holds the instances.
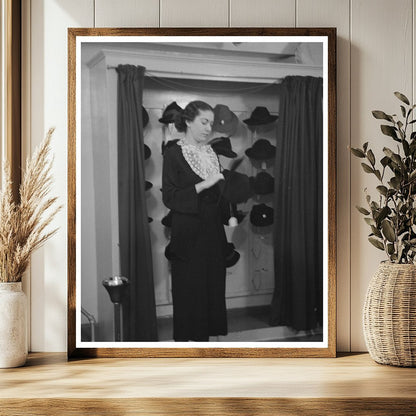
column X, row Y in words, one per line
column 182, row 386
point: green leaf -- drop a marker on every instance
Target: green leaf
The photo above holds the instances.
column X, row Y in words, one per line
column 362, row 210
column 403, row 111
column 378, row 174
column 371, row 158
column 376, row 232
column 413, row 121
column 406, row 147
column 395, row 183
column 402, row 97
column 389, row 131
column 367, row 168
column 412, row 176
column 390, row 248
column 357, row 152
column 365, row 145
column 382, row 189
column 370, row 221
column 374, row 205
column 376, row 243
column 388, row 152
column 381, row 115
column 382, row 214
column 385, row 161
column 388, row 231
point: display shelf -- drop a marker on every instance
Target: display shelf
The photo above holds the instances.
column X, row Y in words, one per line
column 349, row 384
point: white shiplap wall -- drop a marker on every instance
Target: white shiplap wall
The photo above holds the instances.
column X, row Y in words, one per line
column 375, row 55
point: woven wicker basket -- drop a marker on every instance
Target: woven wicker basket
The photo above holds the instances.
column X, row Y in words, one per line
column 390, row 315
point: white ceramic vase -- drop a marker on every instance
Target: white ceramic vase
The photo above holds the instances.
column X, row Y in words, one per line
column 13, row 328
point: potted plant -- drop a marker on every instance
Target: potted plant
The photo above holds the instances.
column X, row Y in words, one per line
column 23, row 229
column 389, row 317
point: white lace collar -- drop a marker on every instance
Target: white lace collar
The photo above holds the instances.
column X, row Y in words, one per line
column 202, row 159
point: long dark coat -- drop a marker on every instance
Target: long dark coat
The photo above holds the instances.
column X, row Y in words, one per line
column 197, row 250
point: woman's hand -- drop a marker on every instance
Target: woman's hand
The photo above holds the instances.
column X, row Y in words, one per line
column 210, row 181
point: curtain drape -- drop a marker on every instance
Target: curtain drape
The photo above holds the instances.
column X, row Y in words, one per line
column 298, row 203
column 139, row 309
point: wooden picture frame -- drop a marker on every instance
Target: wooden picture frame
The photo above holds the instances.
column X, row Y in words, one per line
column 105, row 49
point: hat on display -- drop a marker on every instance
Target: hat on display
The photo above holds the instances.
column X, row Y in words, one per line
column 262, row 149
column 231, row 255
column 262, row 183
column 236, row 187
column 147, row 152
column 222, row 146
column 261, row 215
column 240, row 215
column 225, row 121
column 170, row 112
column 145, row 117
column 260, row 116
column 167, row 219
column 148, row 185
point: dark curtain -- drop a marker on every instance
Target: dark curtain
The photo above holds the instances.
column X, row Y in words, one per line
column 139, row 309
column 297, row 298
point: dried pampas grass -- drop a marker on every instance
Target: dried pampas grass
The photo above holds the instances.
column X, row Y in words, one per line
column 23, row 225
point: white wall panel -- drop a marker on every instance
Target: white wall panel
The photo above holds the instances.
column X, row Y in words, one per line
column 335, row 13
column 127, row 13
column 193, row 13
column 49, row 23
column 262, row 13
column 381, row 63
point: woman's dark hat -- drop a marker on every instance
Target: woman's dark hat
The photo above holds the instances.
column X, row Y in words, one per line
column 260, row 116
column 147, row 152
column 262, row 183
column 167, row 219
column 261, row 215
column 236, row 187
column 222, row 146
column 148, row 185
column 231, row 255
column 225, row 121
column 145, row 117
column 170, row 112
column 262, row 149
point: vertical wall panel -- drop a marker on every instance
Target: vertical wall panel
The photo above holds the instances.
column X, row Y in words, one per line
column 127, row 13
column 381, row 63
column 193, row 13
column 49, row 23
column 335, row 13
column 262, row 13
column 26, row 58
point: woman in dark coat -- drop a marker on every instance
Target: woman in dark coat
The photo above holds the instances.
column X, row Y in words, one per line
column 190, row 186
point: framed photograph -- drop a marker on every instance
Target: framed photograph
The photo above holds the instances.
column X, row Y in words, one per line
column 201, row 192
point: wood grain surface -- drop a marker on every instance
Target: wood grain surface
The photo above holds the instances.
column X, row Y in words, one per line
column 330, row 351
column 350, row 384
